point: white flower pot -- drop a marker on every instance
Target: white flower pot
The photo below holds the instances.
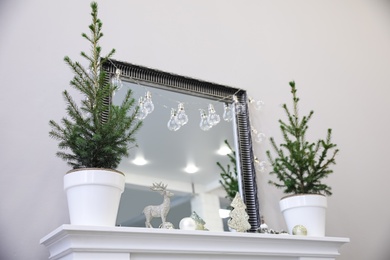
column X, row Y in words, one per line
column 93, row 196
column 308, row 210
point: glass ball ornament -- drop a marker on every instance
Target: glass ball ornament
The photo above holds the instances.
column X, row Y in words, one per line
column 187, row 224
column 299, row 230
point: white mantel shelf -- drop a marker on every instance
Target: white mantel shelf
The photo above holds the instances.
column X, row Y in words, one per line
column 70, row 242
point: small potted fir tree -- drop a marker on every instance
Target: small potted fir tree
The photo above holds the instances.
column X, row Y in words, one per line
column 300, row 167
column 94, row 137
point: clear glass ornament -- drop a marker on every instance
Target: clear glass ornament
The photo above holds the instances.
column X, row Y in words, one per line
column 261, row 166
column 116, row 80
column 173, row 123
column 258, row 104
column 142, row 113
column 148, row 103
column 238, row 107
column 213, row 117
column 227, row 112
column 181, row 114
column 204, row 122
column 258, row 137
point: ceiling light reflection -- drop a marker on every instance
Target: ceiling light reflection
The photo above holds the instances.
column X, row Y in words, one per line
column 191, row 169
column 224, row 150
column 139, row 160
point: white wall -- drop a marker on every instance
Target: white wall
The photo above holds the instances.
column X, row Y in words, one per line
column 337, row 52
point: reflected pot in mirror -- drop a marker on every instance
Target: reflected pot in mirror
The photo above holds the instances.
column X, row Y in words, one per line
column 307, row 210
column 93, row 196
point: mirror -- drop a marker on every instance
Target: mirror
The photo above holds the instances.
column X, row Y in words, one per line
column 166, row 153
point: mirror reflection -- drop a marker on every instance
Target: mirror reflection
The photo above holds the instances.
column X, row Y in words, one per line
column 184, row 159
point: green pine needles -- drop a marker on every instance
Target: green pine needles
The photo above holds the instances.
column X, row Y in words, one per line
column 96, row 134
column 229, row 176
column 300, row 165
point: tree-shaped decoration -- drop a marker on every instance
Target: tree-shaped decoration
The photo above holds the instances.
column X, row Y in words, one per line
column 229, row 176
column 238, row 216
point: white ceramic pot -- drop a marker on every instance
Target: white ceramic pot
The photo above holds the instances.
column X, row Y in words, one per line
column 93, row 196
column 308, row 210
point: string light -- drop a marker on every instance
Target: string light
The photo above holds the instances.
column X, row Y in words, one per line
column 204, row 122
column 258, row 137
column 227, row 112
column 181, row 114
column 179, row 118
column 148, row 103
column 116, row 80
column 261, row 166
column 258, row 104
column 213, row 118
column 173, row 123
column 142, row 112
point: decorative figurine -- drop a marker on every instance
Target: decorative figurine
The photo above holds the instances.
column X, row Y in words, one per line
column 199, row 221
column 239, row 217
column 158, row 211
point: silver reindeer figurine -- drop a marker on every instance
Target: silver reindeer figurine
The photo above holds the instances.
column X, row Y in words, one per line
column 158, row 211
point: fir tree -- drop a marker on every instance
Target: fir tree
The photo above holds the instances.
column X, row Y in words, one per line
column 300, row 165
column 96, row 133
column 229, row 177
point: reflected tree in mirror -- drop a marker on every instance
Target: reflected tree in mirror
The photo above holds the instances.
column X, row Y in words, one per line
column 229, row 175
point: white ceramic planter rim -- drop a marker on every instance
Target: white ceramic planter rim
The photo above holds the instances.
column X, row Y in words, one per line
column 303, row 200
column 91, row 179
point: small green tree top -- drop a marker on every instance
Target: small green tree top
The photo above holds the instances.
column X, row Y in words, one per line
column 300, row 166
column 96, row 133
column 229, row 178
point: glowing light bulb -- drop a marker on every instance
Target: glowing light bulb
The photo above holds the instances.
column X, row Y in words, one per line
column 173, row 123
column 142, row 113
column 204, row 122
column 213, row 117
column 148, row 103
column 227, row 112
column 181, row 114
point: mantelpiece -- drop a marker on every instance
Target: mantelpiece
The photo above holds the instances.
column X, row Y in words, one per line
column 126, row 243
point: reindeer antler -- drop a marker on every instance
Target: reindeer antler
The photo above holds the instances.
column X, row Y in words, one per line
column 158, row 186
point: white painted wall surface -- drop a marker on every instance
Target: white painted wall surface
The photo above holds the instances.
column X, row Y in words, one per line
column 337, row 52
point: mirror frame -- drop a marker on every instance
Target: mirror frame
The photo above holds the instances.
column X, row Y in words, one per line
column 172, row 82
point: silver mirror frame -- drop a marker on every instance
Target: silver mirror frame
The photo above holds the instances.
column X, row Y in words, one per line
column 190, row 86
